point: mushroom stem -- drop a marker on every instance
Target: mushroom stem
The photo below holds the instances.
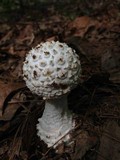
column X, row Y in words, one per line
column 56, row 122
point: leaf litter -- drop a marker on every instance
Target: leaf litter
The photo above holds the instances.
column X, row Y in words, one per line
column 95, row 36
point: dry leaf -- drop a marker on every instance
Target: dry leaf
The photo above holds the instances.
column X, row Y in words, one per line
column 54, row 38
column 4, row 27
column 3, row 149
column 16, row 69
column 110, row 62
column 4, row 127
column 5, row 90
column 110, row 142
column 26, row 36
column 15, row 148
column 79, row 144
column 84, row 143
column 7, row 62
column 24, row 155
column 7, row 37
column 81, row 25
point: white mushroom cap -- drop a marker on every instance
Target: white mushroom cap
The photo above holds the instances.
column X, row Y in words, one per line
column 51, row 69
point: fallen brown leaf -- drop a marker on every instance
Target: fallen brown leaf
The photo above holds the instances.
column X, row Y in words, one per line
column 79, row 144
column 110, row 63
column 81, row 25
column 5, row 90
column 4, row 28
column 110, row 141
column 6, row 38
column 3, row 149
column 26, row 36
column 84, row 143
column 15, row 148
column 4, row 127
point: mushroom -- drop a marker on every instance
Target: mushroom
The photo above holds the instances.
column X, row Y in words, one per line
column 52, row 70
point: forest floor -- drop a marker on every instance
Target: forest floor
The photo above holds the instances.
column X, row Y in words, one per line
column 94, row 31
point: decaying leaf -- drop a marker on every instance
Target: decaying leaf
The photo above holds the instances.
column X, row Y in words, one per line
column 79, row 144
column 110, row 62
column 16, row 70
column 15, row 148
column 7, row 38
column 4, row 28
column 110, row 142
column 81, row 25
column 7, row 90
column 4, row 148
column 4, row 127
column 84, row 142
column 26, row 36
column 24, row 155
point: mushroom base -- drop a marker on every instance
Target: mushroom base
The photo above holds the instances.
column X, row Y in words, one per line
column 56, row 122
